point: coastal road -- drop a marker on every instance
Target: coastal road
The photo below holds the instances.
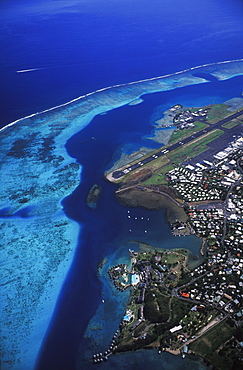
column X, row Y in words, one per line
column 120, row 173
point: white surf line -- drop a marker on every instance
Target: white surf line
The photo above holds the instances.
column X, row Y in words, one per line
column 120, row 85
column 38, row 68
column 29, row 70
column 186, row 70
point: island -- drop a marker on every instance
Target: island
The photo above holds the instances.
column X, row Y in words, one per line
column 93, row 196
column 173, row 307
column 39, row 234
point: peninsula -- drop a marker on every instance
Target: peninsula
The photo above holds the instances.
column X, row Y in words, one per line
column 174, row 307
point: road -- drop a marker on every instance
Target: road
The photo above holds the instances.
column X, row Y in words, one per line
column 120, row 173
column 205, row 329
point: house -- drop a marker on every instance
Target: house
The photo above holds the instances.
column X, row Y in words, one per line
column 176, row 328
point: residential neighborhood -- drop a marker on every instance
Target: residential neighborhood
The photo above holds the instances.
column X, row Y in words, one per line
column 212, row 193
column 173, row 306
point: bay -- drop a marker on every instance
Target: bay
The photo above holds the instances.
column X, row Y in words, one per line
column 77, row 47
column 105, row 232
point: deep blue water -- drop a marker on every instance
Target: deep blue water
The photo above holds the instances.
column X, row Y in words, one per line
column 83, row 46
column 107, row 228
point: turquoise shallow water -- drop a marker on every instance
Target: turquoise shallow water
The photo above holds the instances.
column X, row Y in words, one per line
column 68, row 49
column 105, row 232
column 108, row 316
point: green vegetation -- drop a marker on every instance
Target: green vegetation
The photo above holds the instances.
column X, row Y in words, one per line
column 179, row 155
column 181, row 134
column 232, row 350
column 171, row 305
column 156, row 307
column 159, row 178
column 150, row 301
column 212, row 340
column 179, row 309
column 174, row 257
column 195, row 147
column 230, row 124
column 140, row 329
column 184, row 277
column 217, row 112
column 209, row 344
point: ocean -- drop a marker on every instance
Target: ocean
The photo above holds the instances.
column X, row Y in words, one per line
column 80, row 46
column 76, row 47
column 105, row 232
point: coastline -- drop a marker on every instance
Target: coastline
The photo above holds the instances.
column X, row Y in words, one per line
column 140, row 358
column 134, row 197
column 48, row 178
column 174, row 211
column 144, row 249
column 203, row 247
column 217, row 75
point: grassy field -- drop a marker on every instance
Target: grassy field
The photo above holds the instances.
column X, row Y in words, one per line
column 194, row 148
column 217, row 112
column 161, row 166
column 164, row 164
column 159, row 177
column 230, row 124
column 179, row 309
column 173, row 257
column 158, row 167
column 181, row 134
column 208, row 345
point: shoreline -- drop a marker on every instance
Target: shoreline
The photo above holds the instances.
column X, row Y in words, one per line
column 178, row 351
column 122, row 85
column 134, row 197
column 51, row 183
column 161, row 358
column 203, row 246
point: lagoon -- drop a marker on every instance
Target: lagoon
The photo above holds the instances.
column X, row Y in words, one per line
column 111, row 237
column 48, row 200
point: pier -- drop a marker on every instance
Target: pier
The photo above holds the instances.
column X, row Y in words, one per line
column 101, row 357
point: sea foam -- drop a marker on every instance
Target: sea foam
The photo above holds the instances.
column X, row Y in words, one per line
column 36, row 172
